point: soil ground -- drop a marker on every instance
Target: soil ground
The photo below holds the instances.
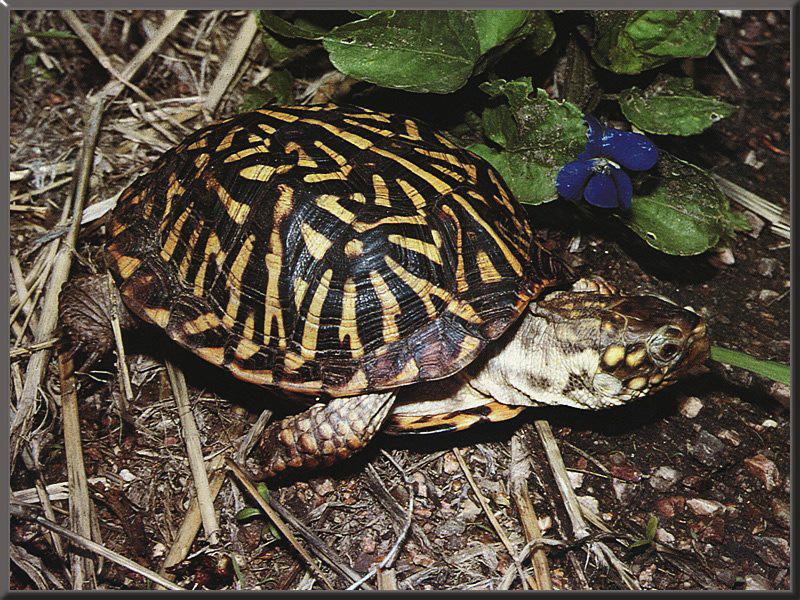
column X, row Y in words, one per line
column 708, row 458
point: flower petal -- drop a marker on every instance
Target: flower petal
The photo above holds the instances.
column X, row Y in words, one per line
column 631, row 150
column 594, row 143
column 624, row 187
column 572, row 178
column 601, row 191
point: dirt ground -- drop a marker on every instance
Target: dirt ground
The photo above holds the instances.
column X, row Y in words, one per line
column 709, row 458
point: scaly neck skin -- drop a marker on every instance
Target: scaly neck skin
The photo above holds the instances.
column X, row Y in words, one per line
column 543, row 362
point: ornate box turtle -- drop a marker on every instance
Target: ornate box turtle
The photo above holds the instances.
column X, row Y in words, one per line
column 343, row 254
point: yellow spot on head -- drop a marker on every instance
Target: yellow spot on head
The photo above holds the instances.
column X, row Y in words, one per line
column 613, row 355
column 637, row 383
column 635, row 358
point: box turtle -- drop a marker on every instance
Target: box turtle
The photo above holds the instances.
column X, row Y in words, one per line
column 363, row 261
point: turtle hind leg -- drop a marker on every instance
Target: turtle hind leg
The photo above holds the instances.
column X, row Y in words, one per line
column 85, row 307
column 320, row 436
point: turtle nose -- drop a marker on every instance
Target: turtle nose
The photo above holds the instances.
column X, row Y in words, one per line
column 698, row 344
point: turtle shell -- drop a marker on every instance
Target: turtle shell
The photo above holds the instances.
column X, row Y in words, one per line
column 326, row 249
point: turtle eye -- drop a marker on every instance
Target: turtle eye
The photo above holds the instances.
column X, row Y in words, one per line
column 666, row 345
column 666, row 352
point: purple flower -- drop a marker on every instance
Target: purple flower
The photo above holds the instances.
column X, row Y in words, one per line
column 597, row 173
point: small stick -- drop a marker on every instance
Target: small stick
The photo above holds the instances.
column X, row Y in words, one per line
column 275, row 518
column 72, row 212
column 194, row 452
column 227, row 70
column 122, row 363
column 520, row 469
column 733, row 77
column 192, row 521
column 25, row 512
column 526, row 582
column 18, row 353
column 387, row 579
column 44, row 498
column 79, row 499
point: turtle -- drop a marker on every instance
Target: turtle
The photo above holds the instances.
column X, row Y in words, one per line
column 374, row 272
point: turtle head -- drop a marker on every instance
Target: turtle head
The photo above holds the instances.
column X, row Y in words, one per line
column 616, row 347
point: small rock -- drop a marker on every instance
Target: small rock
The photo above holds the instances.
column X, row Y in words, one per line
column 664, row 536
column 690, row 407
column 127, row 476
column 756, row 582
column 664, row 478
column 545, row 523
column 589, row 502
column 451, row 527
column 703, row 507
column 420, row 489
column 769, row 423
column 772, row 550
column 750, row 159
column 622, row 489
column 765, row 296
column 762, row 468
column 731, row 14
column 756, row 224
column 470, row 510
column 712, row 532
column 780, row 512
column 368, row 544
column 670, row 506
column 726, row 577
column 324, row 487
column 646, row 576
column 721, row 257
column 730, row 436
column 575, row 479
column 450, row 464
column 708, row 449
column 766, row 267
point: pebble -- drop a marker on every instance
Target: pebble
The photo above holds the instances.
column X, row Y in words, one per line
column 765, row 296
column 450, row 465
column 774, row 551
column 575, row 479
column 470, row 510
column 690, row 407
column 730, row 436
column 709, row 449
column 622, row 489
column 756, row 582
column 766, row 267
column 646, row 576
column 762, row 468
column 668, row 507
column 780, row 513
column 769, row 423
column 750, row 159
column 589, row 502
column 703, row 507
column 545, row 523
column 664, row 536
column 664, row 478
column 756, row 224
column 127, row 476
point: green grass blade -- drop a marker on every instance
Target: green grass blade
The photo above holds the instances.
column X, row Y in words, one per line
column 766, row 368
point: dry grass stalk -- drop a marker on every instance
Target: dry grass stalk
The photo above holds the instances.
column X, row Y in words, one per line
column 777, row 216
column 20, row 353
column 72, row 212
column 233, row 60
column 121, row 362
column 44, row 498
column 79, row 500
column 387, row 580
column 527, row 583
column 25, row 512
column 192, row 521
column 194, row 452
column 520, row 469
column 277, row 521
column 601, row 551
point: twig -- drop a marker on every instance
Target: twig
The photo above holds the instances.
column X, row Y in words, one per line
column 192, row 521
column 319, row 547
column 275, row 518
column 79, row 499
column 600, row 550
column 25, row 512
column 401, row 535
column 519, row 471
column 733, row 77
column 44, row 498
column 526, row 582
column 122, row 363
column 227, row 70
column 19, row 353
column 72, row 212
column 777, row 216
column 194, row 452
column 386, row 580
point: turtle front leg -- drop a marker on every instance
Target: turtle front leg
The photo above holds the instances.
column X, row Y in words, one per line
column 85, row 307
column 320, row 436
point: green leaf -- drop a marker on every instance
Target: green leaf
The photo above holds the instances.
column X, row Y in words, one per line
column 420, row 50
column 495, row 27
column 671, row 106
column 247, row 513
column 537, row 136
column 652, row 527
column 277, row 87
column 299, row 29
column 766, row 368
column 538, row 32
column 679, row 209
column 631, row 41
